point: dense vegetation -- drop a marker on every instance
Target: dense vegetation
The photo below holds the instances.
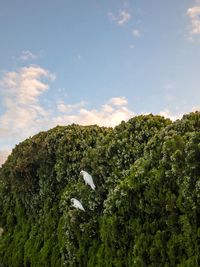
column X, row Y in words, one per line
column 145, row 210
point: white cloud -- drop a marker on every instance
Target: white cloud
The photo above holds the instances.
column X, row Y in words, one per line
column 67, row 108
column 25, row 84
column 109, row 114
column 23, row 114
column 196, row 108
column 27, row 55
column 122, row 17
column 118, row 101
column 167, row 114
column 194, row 15
column 136, row 33
column 194, row 11
column 20, row 91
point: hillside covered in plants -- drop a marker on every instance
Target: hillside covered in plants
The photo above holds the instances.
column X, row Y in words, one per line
column 145, row 210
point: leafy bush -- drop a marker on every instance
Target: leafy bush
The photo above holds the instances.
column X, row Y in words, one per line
column 144, row 211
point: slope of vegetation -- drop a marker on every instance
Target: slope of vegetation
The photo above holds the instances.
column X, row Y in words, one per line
column 145, row 210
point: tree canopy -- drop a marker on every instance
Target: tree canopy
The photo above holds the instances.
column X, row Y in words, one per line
column 144, row 212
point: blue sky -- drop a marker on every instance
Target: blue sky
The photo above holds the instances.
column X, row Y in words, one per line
column 95, row 62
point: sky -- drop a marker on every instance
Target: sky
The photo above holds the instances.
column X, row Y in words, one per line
column 95, row 62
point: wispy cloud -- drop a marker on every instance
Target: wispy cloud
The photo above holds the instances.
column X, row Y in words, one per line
column 136, row 33
column 27, row 55
column 118, row 101
column 196, row 108
column 194, row 14
column 68, row 108
column 121, row 18
column 168, row 114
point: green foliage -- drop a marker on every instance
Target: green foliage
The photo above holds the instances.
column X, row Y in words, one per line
column 144, row 212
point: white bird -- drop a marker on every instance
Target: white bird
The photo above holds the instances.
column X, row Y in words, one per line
column 77, row 204
column 88, row 179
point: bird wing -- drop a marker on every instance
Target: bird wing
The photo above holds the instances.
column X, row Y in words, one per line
column 89, row 180
column 77, row 204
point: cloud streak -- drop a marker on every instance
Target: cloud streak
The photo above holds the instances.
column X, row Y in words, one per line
column 27, row 55
column 118, row 101
column 136, row 33
column 194, row 14
column 67, row 108
column 122, row 17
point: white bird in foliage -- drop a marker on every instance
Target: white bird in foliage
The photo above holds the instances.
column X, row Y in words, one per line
column 88, row 179
column 77, row 204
